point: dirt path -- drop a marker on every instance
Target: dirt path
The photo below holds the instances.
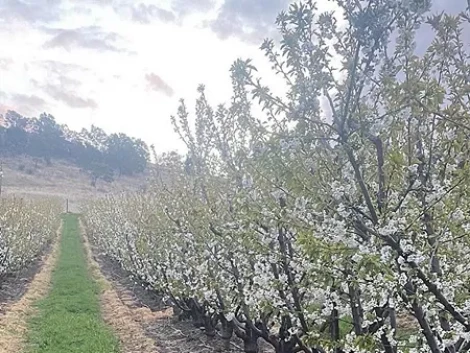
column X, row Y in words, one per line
column 130, row 308
column 13, row 318
column 127, row 322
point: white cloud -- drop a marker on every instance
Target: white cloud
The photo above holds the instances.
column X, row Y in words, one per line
column 156, row 83
column 87, row 61
column 77, row 69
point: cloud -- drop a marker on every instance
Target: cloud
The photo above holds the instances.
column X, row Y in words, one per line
column 24, row 104
column 57, row 73
column 28, row 99
column 156, row 83
column 27, row 104
column 94, row 2
column 250, row 20
column 4, row 109
column 61, row 83
column 32, row 11
column 69, row 98
column 253, row 20
column 61, row 72
column 59, row 67
column 183, row 7
column 92, row 37
column 5, row 63
column 147, row 13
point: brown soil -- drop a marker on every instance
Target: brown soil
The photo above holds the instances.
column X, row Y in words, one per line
column 130, row 290
column 158, row 323
column 125, row 300
column 182, row 337
column 126, row 322
column 14, row 285
column 18, row 295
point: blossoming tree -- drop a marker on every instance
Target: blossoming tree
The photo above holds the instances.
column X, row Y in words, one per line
column 337, row 219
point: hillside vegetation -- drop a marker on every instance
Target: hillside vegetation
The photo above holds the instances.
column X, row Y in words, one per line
column 101, row 156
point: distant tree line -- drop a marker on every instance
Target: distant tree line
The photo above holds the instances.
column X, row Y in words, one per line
column 103, row 156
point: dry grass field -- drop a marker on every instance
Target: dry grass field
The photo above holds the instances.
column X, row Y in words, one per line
column 26, row 177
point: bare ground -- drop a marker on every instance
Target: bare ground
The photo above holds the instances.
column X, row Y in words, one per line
column 140, row 318
column 126, row 322
column 14, row 285
column 18, row 297
column 170, row 335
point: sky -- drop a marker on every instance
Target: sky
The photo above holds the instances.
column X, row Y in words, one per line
column 123, row 65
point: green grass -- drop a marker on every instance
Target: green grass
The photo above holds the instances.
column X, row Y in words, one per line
column 68, row 319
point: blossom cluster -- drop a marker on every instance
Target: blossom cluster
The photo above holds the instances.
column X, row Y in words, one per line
column 27, row 227
column 334, row 218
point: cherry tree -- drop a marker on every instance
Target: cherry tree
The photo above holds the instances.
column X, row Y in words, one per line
column 336, row 219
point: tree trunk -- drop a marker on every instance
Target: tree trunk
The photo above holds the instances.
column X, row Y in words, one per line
column 198, row 319
column 250, row 341
column 286, row 347
column 227, row 332
column 197, row 314
column 209, row 328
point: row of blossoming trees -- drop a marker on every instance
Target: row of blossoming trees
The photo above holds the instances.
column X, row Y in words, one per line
column 335, row 218
column 27, row 228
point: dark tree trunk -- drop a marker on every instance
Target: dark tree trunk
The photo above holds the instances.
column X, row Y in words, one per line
column 226, row 332
column 209, row 327
column 250, row 341
column 286, row 347
column 180, row 314
column 197, row 316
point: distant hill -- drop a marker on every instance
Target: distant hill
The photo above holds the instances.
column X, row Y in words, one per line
column 93, row 153
column 24, row 176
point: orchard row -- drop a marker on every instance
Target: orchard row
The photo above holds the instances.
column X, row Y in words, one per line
column 27, row 228
column 329, row 213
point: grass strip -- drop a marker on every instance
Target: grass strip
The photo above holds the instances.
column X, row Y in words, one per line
column 68, row 319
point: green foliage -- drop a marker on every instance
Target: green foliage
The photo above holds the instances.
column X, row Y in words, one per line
column 125, row 154
column 343, row 199
column 95, row 151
